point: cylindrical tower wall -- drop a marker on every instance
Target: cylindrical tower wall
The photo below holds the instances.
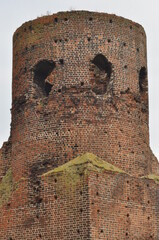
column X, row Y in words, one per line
column 80, row 85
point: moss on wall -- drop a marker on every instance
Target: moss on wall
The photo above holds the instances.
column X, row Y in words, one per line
column 152, row 177
column 89, row 159
column 6, row 187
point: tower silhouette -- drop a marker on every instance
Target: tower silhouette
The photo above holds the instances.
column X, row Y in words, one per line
column 78, row 164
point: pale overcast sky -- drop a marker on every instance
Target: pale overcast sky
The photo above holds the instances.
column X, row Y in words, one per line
column 15, row 12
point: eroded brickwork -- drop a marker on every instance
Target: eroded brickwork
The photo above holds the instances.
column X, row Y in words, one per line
column 75, row 76
column 87, row 199
column 123, row 207
column 79, row 85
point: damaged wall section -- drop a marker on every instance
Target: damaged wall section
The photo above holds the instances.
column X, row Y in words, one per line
column 143, row 84
column 102, row 74
column 41, row 71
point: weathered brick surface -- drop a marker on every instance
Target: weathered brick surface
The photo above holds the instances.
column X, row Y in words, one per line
column 60, row 210
column 5, row 157
column 67, row 122
column 125, row 207
column 84, row 201
column 79, row 85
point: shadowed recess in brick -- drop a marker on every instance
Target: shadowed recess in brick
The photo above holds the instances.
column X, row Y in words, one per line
column 143, row 79
column 102, row 74
column 35, row 183
column 41, row 71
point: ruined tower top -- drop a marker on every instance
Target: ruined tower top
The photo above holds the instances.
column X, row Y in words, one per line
column 80, row 85
column 58, row 44
column 78, row 163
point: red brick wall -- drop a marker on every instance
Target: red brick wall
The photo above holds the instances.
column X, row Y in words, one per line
column 73, row 119
column 86, row 110
column 83, row 204
column 123, row 207
column 57, row 209
column 5, row 157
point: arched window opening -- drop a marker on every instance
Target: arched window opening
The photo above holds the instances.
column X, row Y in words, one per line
column 41, row 71
column 102, row 74
column 143, row 79
column 103, row 64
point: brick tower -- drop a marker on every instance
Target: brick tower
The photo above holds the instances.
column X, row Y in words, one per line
column 78, row 164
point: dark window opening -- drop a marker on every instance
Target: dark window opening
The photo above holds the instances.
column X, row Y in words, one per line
column 41, row 71
column 103, row 64
column 142, row 79
column 56, row 20
column 30, row 28
column 102, row 74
